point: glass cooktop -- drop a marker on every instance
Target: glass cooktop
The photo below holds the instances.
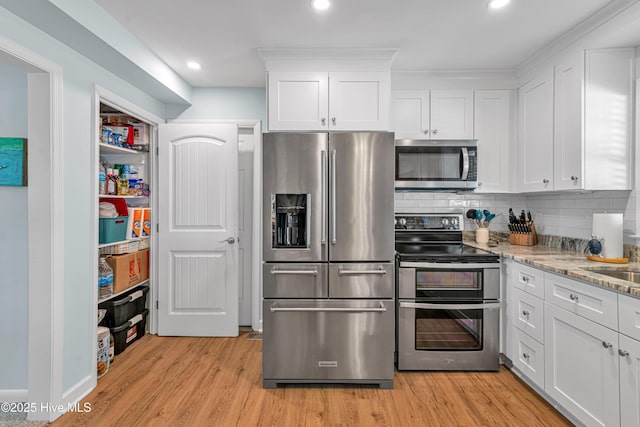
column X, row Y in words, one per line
column 443, row 253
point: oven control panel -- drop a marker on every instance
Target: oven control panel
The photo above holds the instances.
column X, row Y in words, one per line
column 436, row 222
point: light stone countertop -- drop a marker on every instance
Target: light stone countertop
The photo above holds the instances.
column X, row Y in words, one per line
column 565, row 262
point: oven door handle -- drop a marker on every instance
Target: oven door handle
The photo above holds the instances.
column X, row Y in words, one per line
column 483, row 306
column 449, row 266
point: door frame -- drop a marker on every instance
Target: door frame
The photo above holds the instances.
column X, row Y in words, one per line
column 256, row 269
column 104, row 96
column 46, row 231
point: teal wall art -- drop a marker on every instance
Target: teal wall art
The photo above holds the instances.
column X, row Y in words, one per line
column 13, row 161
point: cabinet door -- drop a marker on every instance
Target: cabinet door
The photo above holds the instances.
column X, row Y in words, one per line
column 359, row 100
column 535, row 101
column 528, row 357
column 410, row 114
column 568, row 99
column 629, row 381
column 298, row 101
column 451, row 114
column 581, row 367
column 492, row 128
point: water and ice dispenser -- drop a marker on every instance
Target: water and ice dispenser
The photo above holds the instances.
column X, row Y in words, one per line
column 290, row 221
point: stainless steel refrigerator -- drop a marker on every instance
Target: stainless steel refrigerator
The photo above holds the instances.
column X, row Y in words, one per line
column 328, row 247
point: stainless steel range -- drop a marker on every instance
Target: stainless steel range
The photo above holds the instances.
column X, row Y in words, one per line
column 448, row 297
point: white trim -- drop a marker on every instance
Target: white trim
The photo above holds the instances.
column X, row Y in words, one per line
column 102, row 95
column 79, row 390
column 18, row 395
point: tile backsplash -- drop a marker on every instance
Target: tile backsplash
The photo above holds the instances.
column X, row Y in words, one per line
column 568, row 215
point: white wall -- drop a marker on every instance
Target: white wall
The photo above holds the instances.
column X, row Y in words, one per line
column 227, row 103
column 79, row 76
column 13, row 228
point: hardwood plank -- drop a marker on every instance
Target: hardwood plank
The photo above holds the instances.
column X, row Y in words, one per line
column 178, row 381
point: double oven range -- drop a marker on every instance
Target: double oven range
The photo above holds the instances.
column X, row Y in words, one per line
column 448, row 304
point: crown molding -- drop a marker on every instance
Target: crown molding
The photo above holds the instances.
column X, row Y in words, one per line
column 272, row 57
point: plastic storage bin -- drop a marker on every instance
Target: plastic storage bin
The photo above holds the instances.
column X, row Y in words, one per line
column 129, row 332
column 114, row 229
column 124, row 307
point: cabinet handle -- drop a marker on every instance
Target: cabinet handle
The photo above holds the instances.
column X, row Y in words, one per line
column 479, row 184
column 435, row 131
column 623, row 353
column 606, row 344
column 333, row 121
column 573, row 297
column 525, row 279
column 323, row 121
column 574, row 178
column 545, row 181
column 525, row 313
column 525, row 355
column 426, row 132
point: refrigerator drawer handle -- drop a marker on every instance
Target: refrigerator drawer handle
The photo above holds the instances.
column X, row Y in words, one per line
column 489, row 305
column 313, row 272
column 381, row 309
column 342, row 272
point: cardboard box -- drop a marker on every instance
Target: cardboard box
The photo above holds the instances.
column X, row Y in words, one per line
column 129, row 269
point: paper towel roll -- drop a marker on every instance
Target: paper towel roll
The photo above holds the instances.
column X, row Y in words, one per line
column 609, row 228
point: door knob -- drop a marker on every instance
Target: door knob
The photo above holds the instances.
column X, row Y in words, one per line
column 229, row 240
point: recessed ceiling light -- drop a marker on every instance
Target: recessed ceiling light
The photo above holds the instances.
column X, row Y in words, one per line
column 496, row 4
column 320, row 4
column 194, row 65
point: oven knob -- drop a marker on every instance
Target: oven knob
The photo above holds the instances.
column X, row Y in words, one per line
column 445, row 222
column 403, row 221
column 454, row 222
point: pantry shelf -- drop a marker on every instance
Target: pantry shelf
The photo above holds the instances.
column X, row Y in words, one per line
column 112, row 149
column 101, row 300
column 112, row 196
column 104, row 245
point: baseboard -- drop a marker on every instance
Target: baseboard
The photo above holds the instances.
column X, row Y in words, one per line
column 17, row 395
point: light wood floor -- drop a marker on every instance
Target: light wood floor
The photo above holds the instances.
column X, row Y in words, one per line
column 162, row 381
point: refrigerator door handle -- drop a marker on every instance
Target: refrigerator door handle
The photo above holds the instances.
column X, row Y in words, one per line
column 333, row 197
column 380, row 309
column 313, row 272
column 342, row 272
column 323, row 156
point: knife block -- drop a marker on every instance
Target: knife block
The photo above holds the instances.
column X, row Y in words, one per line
column 524, row 239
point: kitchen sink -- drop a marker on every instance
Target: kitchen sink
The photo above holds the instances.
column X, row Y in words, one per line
column 631, row 276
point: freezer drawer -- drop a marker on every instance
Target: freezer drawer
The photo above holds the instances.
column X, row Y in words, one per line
column 281, row 280
column 331, row 341
column 369, row 280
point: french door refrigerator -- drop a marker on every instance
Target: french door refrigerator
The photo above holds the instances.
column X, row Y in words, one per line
column 328, row 250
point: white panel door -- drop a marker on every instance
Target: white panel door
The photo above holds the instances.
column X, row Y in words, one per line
column 568, row 140
column 492, row 128
column 629, row 381
column 298, row 101
column 451, row 114
column 198, row 220
column 581, row 367
column 359, row 100
column 410, row 114
column 535, row 100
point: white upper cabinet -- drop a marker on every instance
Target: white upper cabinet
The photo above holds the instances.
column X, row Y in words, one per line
column 575, row 124
column 317, row 101
column 451, row 114
column 436, row 114
column 535, row 102
column 298, row 101
column 493, row 130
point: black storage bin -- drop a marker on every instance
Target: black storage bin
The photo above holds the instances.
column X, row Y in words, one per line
column 124, row 307
column 129, row 332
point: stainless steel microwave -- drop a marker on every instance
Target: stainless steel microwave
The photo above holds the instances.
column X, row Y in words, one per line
column 437, row 165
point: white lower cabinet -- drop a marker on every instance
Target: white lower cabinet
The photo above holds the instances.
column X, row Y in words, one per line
column 528, row 356
column 581, row 367
column 629, row 353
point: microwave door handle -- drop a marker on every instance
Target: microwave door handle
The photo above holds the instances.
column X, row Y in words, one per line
column 465, row 163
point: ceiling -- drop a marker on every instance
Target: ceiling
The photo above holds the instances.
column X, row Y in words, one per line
column 431, row 35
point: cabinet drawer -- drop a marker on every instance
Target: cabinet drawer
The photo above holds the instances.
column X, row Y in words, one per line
column 528, row 357
column 597, row 304
column 629, row 316
column 528, row 279
column 528, row 314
